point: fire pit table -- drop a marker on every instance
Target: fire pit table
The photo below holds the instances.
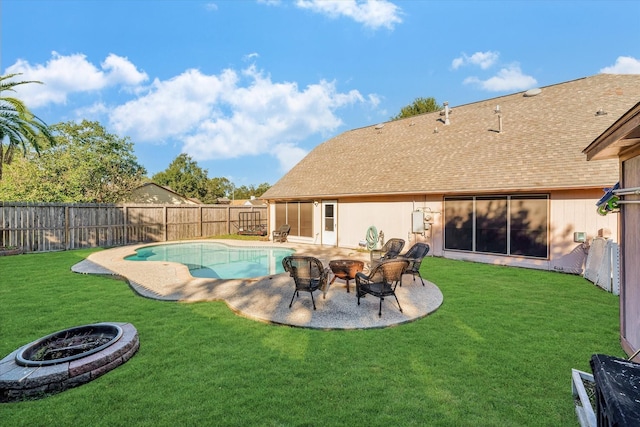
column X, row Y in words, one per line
column 345, row 269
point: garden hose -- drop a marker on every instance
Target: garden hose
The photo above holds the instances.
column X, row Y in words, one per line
column 372, row 237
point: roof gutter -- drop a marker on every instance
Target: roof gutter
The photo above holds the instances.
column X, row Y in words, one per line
column 474, row 191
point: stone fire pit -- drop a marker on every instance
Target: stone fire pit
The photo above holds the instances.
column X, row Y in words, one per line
column 66, row 359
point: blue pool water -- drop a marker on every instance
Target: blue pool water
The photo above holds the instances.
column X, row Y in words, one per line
column 216, row 260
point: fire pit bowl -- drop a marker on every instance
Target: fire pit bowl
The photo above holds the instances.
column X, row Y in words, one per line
column 69, row 344
column 66, row 359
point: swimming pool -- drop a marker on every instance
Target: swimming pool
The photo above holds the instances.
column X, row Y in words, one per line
column 216, row 260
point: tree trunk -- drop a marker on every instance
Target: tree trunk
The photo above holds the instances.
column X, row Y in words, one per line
column 1, row 158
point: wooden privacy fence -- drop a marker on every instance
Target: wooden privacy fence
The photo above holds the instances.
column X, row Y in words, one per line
column 43, row 227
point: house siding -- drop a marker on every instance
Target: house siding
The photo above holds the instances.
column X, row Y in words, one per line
column 630, row 289
column 569, row 211
column 622, row 141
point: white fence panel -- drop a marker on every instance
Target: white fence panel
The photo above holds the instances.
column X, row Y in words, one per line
column 603, row 265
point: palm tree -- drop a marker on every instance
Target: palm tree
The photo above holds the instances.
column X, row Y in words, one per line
column 19, row 126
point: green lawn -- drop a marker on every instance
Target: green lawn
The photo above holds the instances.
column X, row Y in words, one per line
column 498, row 352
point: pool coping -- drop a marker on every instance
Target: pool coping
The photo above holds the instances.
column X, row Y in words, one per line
column 267, row 298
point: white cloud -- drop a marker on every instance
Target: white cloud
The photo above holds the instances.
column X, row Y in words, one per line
column 64, row 75
column 94, row 110
column 120, row 71
column 232, row 115
column 374, row 100
column 171, row 108
column 288, row 155
column 457, row 63
column 482, row 59
column 371, row 13
column 507, row 79
column 623, row 65
column 226, row 115
column 251, row 56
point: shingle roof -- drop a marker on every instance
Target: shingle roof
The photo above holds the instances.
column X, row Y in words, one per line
column 540, row 147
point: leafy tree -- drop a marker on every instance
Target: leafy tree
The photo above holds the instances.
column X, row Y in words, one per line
column 86, row 164
column 241, row 192
column 246, row 192
column 19, row 126
column 185, row 177
column 419, row 106
column 216, row 188
column 262, row 188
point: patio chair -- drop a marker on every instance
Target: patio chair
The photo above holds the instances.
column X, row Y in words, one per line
column 382, row 281
column 389, row 250
column 414, row 255
column 308, row 274
column 281, row 234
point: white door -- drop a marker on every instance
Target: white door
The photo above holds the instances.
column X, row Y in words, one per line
column 329, row 223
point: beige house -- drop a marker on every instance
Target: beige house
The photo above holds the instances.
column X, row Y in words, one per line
column 154, row 193
column 621, row 142
column 500, row 181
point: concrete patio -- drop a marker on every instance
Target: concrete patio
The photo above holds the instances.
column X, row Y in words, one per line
column 267, row 298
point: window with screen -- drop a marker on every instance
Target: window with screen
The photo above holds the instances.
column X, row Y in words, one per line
column 299, row 215
column 508, row 225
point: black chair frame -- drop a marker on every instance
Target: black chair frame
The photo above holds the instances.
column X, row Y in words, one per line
column 308, row 274
column 382, row 281
column 415, row 255
column 390, row 250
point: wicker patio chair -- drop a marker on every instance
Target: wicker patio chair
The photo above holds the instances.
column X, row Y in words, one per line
column 281, row 234
column 415, row 255
column 382, row 281
column 308, row 274
column 389, row 250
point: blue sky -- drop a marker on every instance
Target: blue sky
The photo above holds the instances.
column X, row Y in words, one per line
column 247, row 88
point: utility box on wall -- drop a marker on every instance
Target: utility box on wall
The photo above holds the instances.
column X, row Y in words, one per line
column 418, row 221
column 579, row 237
